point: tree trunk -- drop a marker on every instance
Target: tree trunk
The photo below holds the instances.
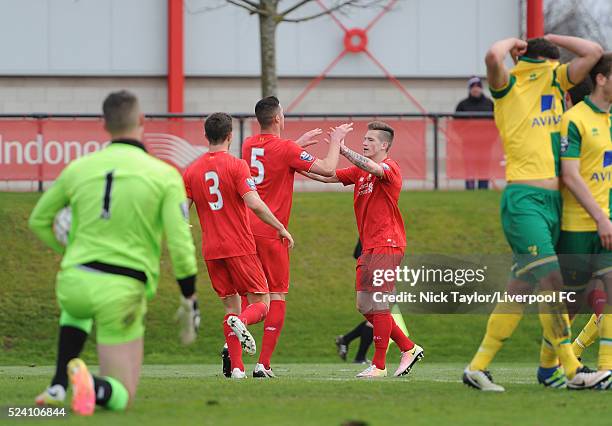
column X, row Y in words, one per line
column 267, row 38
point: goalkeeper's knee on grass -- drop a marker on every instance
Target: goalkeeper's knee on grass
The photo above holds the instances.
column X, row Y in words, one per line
column 111, row 393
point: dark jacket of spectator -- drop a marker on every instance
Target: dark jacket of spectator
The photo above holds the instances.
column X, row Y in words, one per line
column 476, row 101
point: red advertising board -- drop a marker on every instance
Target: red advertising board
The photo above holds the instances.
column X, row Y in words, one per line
column 40, row 149
column 408, row 145
column 473, row 150
column 19, row 147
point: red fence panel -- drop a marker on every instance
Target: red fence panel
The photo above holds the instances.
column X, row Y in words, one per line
column 176, row 141
column 19, row 149
column 408, row 145
column 40, row 149
column 68, row 139
column 473, row 149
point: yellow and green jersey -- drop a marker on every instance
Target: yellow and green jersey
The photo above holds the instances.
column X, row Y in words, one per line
column 586, row 136
column 528, row 115
column 122, row 201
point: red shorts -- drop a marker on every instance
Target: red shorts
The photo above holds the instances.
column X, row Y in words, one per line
column 237, row 275
column 371, row 266
column 274, row 256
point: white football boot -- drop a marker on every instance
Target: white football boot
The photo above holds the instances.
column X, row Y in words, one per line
column 53, row 395
column 408, row 359
column 586, row 378
column 243, row 335
column 372, row 372
column 604, row 385
column 238, row 374
column 260, row 372
column 481, row 380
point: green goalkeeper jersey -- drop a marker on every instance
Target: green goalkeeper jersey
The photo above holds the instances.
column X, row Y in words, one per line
column 122, row 201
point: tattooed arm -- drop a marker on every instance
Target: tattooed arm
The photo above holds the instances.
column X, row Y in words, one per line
column 361, row 161
column 324, row 179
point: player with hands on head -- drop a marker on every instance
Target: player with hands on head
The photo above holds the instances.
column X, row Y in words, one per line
column 529, row 100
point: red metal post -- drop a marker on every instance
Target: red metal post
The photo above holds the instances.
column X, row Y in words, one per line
column 535, row 18
column 176, row 73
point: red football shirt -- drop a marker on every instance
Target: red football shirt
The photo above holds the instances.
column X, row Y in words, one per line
column 274, row 162
column 216, row 182
column 379, row 220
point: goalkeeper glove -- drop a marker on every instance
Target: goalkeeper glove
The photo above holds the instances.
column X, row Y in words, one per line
column 188, row 317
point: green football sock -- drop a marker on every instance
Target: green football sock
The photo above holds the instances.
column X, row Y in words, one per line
column 110, row 393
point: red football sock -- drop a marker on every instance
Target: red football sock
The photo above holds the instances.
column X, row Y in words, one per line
column 272, row 329
column 383, row 323
column 233, row 345
column 244, row 302
column 597, row 300
column 398, row 336
column 254, row 313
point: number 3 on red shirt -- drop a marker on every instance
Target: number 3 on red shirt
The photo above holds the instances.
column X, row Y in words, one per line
column 257, row 152
column 214, row 190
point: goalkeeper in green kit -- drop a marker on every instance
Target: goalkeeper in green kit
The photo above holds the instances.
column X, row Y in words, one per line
column 122, row 201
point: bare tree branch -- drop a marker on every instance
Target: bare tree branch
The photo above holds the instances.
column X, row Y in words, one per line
column 202, row 9
column 339, row 7
column 322, row 13
column 247, row 6
column 294, row 7
column 269, row 18
column 251, row 3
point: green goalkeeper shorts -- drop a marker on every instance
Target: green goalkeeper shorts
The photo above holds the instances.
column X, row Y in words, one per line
column 117, row 304
column 530, row 218
column 582, row 256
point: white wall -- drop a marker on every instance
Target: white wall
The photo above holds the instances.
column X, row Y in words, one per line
column 236, row 95
column 83, row 37
column 418, row 38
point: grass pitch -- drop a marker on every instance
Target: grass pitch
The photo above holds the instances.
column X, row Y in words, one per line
column 181, row 385
column 320, row 304
column 315, row 394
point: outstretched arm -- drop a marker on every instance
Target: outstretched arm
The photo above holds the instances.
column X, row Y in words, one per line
column 308, row 138
column 324, row 179
column 327, row 166
column 362, row 162
column 587, row 54
column 497, row 73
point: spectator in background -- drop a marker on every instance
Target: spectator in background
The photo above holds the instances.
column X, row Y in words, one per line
column 475, row 102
